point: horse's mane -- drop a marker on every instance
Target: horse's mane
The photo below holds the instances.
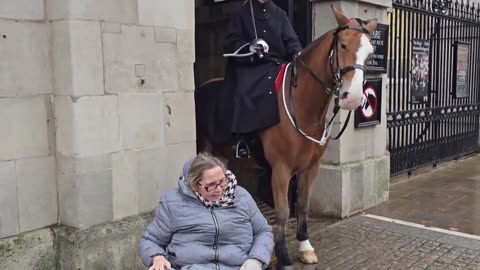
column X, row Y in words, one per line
column 316, row 41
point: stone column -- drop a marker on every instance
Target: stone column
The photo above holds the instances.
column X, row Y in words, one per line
column 123, row 86
column 354, row 174
column 125, row 120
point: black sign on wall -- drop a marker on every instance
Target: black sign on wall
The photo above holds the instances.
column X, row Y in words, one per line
column 377, row 62
column 369, row 114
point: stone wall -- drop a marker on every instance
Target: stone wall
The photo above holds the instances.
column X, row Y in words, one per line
column 123, row 104
column 97, row 107
column 28, row 190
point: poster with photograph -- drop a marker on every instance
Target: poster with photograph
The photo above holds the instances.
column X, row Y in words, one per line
column 460, row 72
column 419, row 73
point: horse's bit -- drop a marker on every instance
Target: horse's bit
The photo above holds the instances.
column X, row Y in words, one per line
column 337, row 73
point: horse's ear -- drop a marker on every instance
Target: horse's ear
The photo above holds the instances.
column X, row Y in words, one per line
column 341, row 19
column 372, row 25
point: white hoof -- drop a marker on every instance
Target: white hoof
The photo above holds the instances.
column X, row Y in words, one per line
column 308, row 257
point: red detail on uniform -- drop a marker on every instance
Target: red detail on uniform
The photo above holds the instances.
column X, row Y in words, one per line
column 279, row 79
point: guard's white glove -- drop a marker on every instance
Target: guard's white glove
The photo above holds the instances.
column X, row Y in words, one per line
column 251, row 264
column 259, row 47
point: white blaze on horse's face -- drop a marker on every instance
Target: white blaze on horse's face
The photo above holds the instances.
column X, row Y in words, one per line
column 354, row 88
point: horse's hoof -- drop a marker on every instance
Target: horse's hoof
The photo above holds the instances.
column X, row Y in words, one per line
column 308, row 257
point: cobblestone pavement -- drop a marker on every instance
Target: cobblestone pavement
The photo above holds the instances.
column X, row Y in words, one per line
column 361, row 243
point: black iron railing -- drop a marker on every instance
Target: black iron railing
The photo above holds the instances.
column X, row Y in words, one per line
column 433, row 112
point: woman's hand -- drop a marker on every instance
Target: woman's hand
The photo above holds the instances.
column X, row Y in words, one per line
column 160, row 263
column 251, row 264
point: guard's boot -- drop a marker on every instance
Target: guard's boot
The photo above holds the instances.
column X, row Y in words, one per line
column 241, row 149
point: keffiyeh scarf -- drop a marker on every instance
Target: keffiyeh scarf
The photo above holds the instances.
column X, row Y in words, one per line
column 228, row 196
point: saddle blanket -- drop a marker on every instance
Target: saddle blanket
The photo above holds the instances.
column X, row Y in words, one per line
column 279, row 79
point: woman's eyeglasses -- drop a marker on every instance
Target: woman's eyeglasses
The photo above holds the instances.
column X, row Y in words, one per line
column 223, row 183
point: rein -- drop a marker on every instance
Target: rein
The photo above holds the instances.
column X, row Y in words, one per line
column 337, row 73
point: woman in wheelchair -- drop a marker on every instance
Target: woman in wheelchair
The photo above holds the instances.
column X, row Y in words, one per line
column 207, row 222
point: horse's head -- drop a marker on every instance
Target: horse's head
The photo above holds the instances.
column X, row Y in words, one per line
column 351, row 48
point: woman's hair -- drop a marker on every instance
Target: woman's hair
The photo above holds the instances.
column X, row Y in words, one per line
column 201, row 163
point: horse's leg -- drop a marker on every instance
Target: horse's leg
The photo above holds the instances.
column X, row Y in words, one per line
column 281, row 175
column 305, row 180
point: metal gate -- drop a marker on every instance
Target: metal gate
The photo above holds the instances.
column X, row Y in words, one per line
column 434, row 82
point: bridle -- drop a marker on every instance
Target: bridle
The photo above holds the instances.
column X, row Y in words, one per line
column 337, row 72
column 332, row 56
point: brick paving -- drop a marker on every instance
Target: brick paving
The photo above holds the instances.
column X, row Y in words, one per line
column 364, row 243
column 445, row 198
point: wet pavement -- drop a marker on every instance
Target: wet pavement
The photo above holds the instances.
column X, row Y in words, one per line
column 362, row 242
column 447, row 198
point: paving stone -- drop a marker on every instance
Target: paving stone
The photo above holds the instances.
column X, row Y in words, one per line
column 353, row 244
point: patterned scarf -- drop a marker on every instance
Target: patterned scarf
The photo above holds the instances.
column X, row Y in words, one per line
column 228, row 196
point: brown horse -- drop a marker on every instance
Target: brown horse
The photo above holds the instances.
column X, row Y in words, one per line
column 331, row 65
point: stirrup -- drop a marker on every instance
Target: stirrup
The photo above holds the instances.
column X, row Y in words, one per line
column 237, row 147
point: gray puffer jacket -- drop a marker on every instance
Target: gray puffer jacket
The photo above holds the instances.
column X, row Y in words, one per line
column 188, row 233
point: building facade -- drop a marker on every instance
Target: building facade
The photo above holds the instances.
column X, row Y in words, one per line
column 97, row 118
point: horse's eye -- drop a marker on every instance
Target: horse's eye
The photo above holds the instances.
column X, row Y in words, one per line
column 344, row 47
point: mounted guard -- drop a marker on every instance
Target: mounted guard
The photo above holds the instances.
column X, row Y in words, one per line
column 259, row 39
